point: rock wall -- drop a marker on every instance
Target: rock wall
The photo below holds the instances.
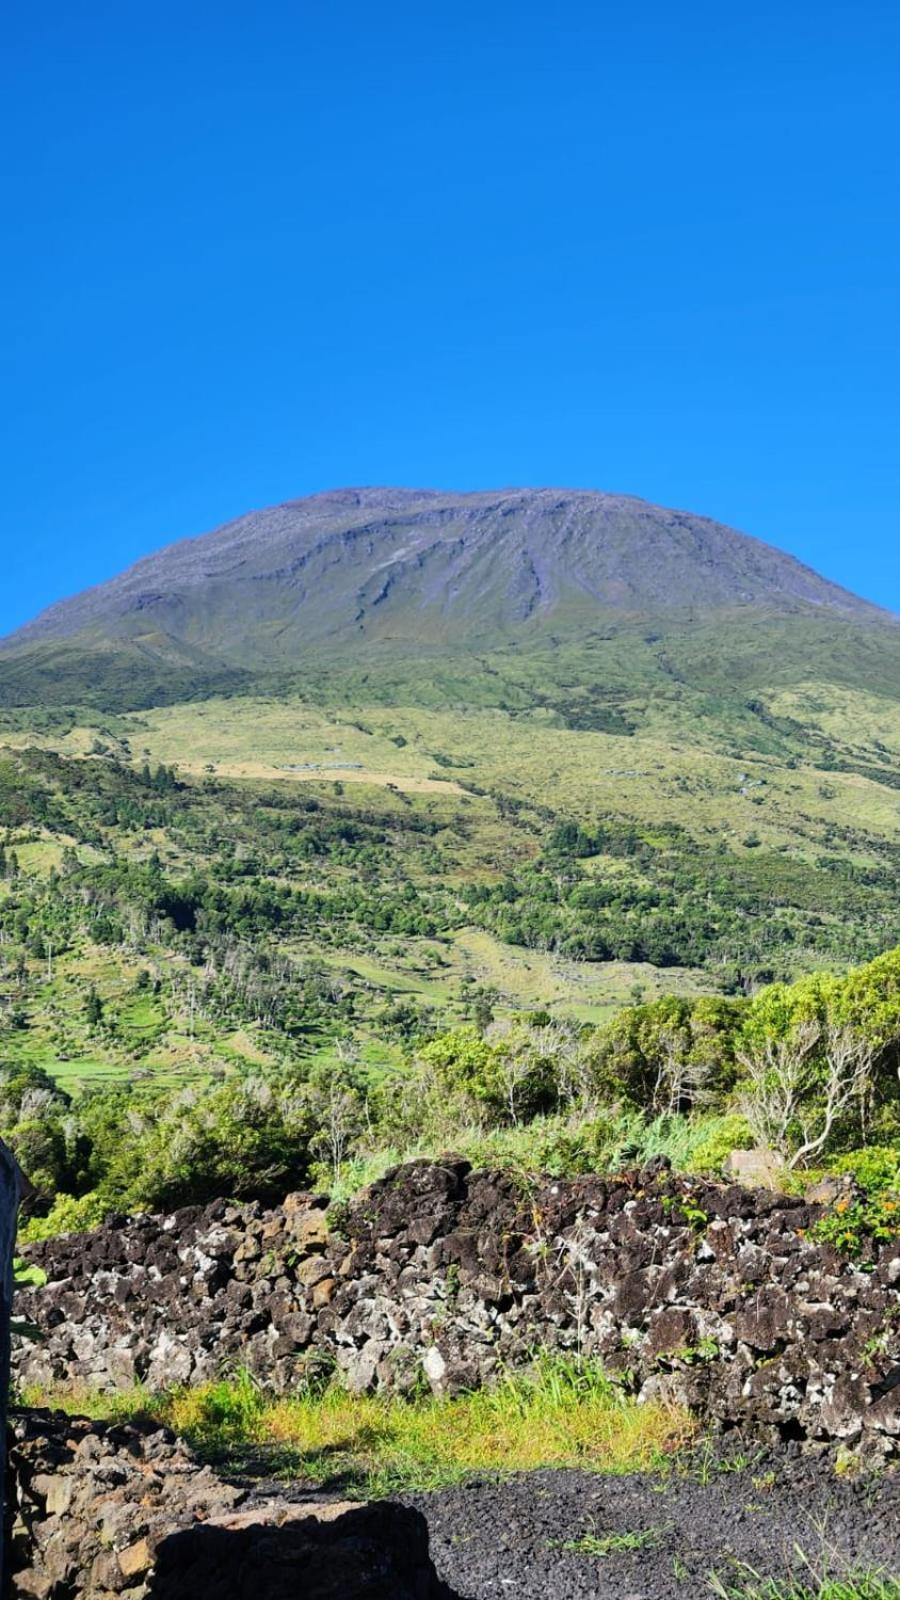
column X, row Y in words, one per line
column 127, row 1510
column 712, row 1294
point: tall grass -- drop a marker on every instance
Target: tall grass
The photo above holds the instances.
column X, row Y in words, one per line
column 562, row 1144
column 869, row 1585
column 564, row 1413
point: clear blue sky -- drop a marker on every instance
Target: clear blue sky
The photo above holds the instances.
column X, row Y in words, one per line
column 259, row 249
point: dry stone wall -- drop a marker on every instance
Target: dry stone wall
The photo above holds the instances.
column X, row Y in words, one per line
column 715, row 1295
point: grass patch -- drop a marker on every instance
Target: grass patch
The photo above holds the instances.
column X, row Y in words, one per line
column 869, row 1585
column 607, row 1544
column 565, row 1413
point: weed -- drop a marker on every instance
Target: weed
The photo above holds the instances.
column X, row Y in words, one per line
column 691, row 1355
column 593, row 1544
column 748, row 1584
column 765, row 1481
column 707, row 1461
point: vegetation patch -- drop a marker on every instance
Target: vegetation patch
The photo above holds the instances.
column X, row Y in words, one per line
column 854, row 1586
column 606, row 1544
column 219, row 985
column 565, row 1414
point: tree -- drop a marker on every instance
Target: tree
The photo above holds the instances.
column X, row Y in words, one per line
column 93, row 1008
column 682, row 1078
column 798, row 1088
column 338, row 1106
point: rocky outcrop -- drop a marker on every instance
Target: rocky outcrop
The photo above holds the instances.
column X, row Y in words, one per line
column 715, row 1295
column 127, row 1510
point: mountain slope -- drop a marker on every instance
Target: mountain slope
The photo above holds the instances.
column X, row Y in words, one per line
column 375, row 564
column 451, row 597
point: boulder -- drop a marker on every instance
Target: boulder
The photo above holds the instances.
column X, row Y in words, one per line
column 755, row 1169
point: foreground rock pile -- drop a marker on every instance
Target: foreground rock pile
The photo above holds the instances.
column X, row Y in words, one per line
column 102, row 1511
column 714, row 1295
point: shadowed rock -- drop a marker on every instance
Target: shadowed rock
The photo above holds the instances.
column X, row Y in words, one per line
column 105, row 1510
column 327, row 1552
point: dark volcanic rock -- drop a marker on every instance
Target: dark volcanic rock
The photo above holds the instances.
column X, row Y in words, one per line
column 706, row 1294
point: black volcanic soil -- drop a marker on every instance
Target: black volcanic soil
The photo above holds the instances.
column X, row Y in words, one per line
column 504, row 1539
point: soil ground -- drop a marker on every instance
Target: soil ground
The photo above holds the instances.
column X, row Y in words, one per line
column 510, row 1538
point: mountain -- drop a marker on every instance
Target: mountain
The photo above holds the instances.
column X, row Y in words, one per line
column 398, row 570
column 408, row 562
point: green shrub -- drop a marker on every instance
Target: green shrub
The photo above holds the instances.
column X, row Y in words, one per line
column 668, row 1055
column 512, row 1080
column 855, row 1222
column 876, row 1168
column 722, row 1137
column 66, row 1215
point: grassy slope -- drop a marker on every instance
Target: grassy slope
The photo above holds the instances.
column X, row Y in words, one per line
column 145, row 1036
column 647, row 777
column 779, row 741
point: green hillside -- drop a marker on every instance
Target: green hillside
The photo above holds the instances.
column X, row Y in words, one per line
column 219, row 870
